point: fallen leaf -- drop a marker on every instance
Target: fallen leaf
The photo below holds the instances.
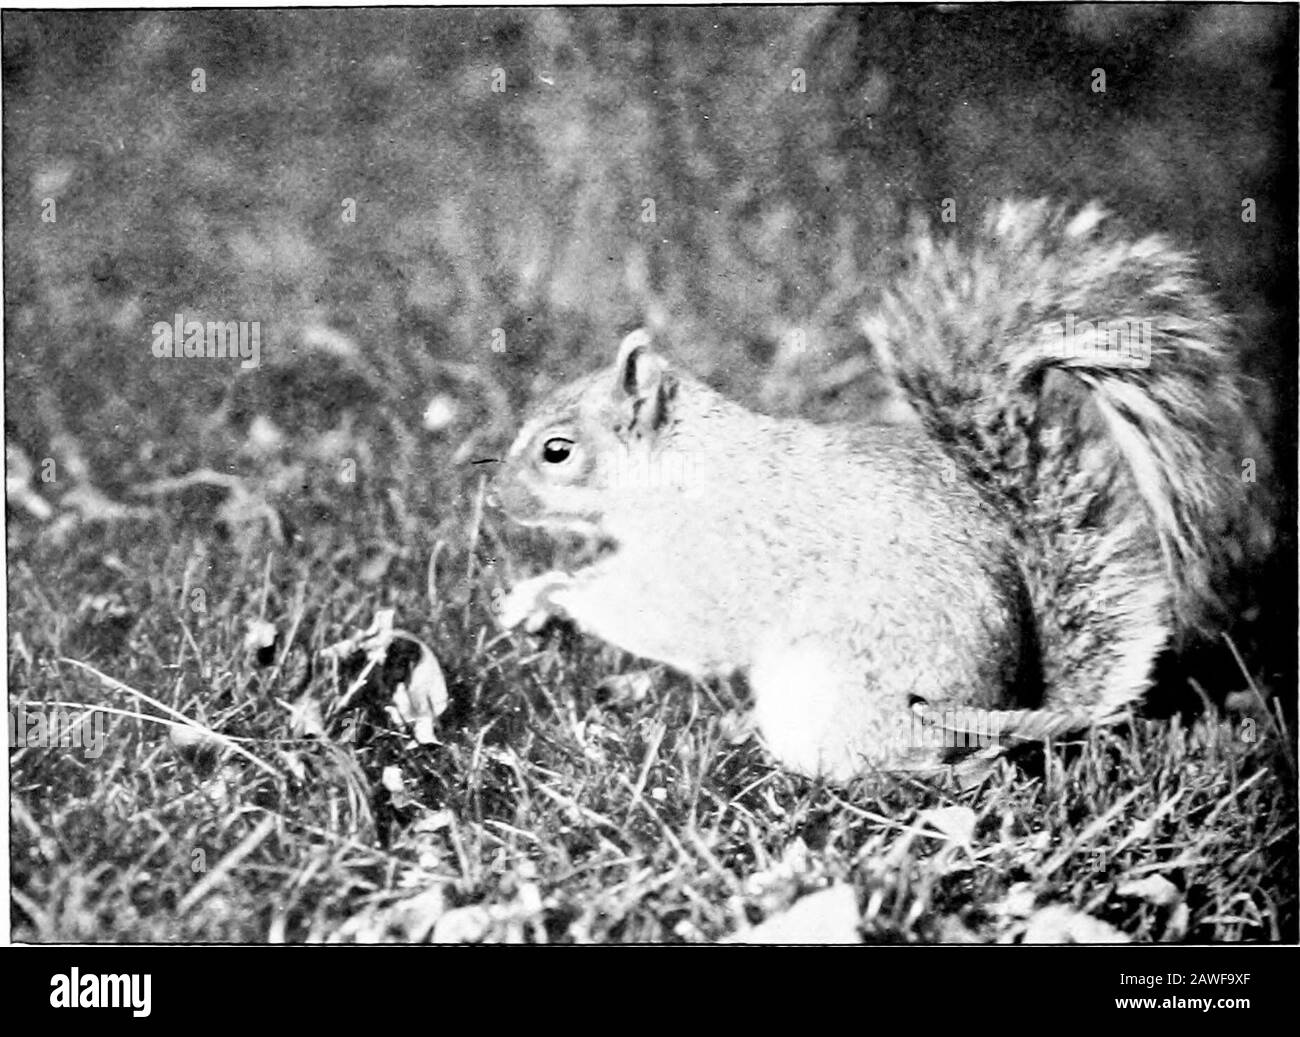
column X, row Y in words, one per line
column 434, row 821
column 305, row 720
column 260, row 641
column 417, row 915
column 795, row 858
column 293, row 763
column 953, row 930
column 828, row 916
column 375, row 640
column 626, row 688
column 419, row 701
column 1154, row 889
column 956, row 824
column 378, row 638
column 1057, row 923
column 463, row 925
column 1018, row 902
column 392, row 780
column 1179, row 918
column 736, row 727
column 423, row 698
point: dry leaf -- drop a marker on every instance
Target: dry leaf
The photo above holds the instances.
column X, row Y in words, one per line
column 956, row 824
column 419, row 701
column 378, row 638
column 417, row 915
column 374, row 640
column 1060, row 924
column 463, row 925
column 293, row 764
column 260, row 640
column 422, row 699
column 1179, row 918
column 795, row 858
column 953, row 930
column 1154, row 889
column 392, row 780
column 828, row 916
column 305, row 720
column 736, row 727
column 1018, row 902
column 627, row 688
column 434, row 821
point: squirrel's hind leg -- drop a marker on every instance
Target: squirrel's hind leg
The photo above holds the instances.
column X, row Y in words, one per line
column 819, row 716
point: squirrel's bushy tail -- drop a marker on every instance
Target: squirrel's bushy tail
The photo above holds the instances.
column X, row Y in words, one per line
column 1082, row 378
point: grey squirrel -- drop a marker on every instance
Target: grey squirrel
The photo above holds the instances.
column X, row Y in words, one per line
column 1019, row 559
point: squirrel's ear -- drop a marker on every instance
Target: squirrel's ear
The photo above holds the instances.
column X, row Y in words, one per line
column 643, row 385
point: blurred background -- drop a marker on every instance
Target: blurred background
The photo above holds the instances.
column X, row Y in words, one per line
column 501, row 240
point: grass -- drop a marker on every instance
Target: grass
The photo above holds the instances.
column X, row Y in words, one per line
column 556, row 805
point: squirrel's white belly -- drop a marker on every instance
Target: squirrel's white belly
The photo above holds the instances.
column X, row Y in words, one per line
column 653, row 633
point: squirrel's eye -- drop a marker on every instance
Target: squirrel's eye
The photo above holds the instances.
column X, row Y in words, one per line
column 556, row 450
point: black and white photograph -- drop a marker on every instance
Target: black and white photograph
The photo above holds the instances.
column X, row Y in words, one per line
column 653, row 475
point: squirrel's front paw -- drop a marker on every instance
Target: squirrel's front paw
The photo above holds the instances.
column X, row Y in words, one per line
column 529, row 602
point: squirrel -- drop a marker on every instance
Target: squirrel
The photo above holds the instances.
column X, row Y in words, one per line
column 1020, row 557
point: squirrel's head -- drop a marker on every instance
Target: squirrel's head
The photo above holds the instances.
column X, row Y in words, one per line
column 594, row 446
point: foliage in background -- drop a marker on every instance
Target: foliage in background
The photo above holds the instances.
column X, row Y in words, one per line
column 776, row 211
